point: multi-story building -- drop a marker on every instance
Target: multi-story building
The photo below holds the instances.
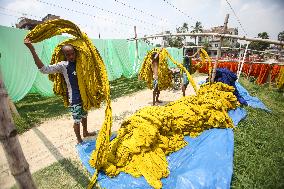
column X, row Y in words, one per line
column 29, row 24
column 213, row 42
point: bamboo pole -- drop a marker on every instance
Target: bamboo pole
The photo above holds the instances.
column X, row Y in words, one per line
column 13, row 107
column 242, row 63
column 212, row 77
column 270, row 75
column 216, row 35
column 8, row 135
column 240, row 56
column 250, row 69
column 136, row 43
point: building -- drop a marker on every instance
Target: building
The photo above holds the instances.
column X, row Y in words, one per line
column 29, row 24
column 213, row 42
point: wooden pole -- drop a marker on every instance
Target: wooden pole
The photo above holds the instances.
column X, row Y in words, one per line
column 216, row 35
column 13, row 107
column 242, row 63
column 136, row 43
column 8, row 135
column 219, row 49
column 270, row 74
column 250, row 69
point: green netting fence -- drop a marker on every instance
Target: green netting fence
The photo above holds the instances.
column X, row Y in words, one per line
column 21, row 75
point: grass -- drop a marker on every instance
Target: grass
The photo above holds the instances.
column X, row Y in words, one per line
column 34, row 108
column 258, row 150
column 65, row 173
column 259, row 139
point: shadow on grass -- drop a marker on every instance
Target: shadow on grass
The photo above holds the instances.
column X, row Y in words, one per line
column 69, row 168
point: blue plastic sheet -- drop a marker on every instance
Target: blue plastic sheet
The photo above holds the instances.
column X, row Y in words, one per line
column 206, row 162
column 237, row 115
column 252, row 101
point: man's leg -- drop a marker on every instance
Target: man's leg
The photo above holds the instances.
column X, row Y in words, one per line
column 183, row 90
column 76, row 128
column 154, row 96
column 185, row 83
column 85, row 128
column 157, row 96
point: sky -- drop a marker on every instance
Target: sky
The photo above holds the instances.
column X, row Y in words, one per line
column 117, row 18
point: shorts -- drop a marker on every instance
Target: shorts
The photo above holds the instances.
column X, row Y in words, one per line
column 185, row 79
column 77, row 112
column 155, row 84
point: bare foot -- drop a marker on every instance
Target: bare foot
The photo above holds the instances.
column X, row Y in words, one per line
column 89, row 134
column 79, row 140
column 159, row 101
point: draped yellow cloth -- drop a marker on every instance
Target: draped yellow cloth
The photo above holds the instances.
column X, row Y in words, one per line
column 92, row 77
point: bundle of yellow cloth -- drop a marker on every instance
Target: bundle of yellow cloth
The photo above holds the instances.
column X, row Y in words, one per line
column 145, row 138
column 164, row 73
column 91, row 73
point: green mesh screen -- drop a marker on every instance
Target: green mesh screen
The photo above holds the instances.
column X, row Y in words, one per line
column 21, row 75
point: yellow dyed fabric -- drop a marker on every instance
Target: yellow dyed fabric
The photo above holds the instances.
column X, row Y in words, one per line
column 92, row 77
column 280, row 79
column 204, row 56
column 145, row 138
column 164, row 73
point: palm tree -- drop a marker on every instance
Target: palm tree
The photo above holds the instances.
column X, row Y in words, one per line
column 196, row 29
column 263, row 35
column 281, row 36
column 182, row 29
column 259, row 45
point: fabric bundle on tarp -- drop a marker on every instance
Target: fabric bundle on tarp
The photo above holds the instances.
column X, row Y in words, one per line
column 206, row 162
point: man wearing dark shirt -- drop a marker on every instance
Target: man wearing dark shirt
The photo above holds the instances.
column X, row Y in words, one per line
column 68, row 69
column 188, row 66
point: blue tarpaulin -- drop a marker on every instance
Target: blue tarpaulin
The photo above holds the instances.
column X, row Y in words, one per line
column 206, row 162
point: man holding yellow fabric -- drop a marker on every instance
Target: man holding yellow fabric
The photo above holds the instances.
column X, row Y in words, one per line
column 68, row 69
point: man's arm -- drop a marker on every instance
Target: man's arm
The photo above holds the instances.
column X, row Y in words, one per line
column 38, row 62
column 51, row 69
column 195, row 53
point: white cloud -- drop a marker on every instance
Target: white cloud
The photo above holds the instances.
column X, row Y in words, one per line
column 26, row 6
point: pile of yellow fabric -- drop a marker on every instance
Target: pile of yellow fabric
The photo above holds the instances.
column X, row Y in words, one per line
column 145, row 138
column 164, row 73
column 91, row 72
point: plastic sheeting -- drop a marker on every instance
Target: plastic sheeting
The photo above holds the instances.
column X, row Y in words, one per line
column 20, row 74
column 206, row 162
column 18, row 70
column 252, row 101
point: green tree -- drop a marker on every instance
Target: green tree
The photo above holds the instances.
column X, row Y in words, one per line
column 259, row 45
column 206, row 44
column 177, row 41
column 281, row 36
column 196, row 29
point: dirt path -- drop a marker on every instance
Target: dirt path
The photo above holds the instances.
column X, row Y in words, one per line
column 54, row 139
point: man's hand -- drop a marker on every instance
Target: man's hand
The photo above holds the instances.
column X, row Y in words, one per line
column 28, row 43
